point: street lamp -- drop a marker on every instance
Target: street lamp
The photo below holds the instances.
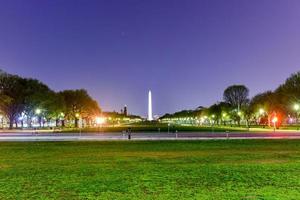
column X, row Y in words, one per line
column 296, row 108
column 261, row 111
column 38, row 112
column 274, row 121
column 224, row 116
column 100, row 121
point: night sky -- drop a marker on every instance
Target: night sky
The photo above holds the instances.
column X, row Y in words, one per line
column 187, row 52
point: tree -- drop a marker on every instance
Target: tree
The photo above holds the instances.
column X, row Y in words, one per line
column 37, row 96
column 289, row 93
column 12, row 96
column 236, row 96
column 79, row 104
column 55, row 108
column 269, row 102
column 220, row 111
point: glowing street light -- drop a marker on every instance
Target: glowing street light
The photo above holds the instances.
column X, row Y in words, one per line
column 100, row 120
column 274, row 121
column 38, row 111
column 261, row 111
column 296, row 107
column 77, row 115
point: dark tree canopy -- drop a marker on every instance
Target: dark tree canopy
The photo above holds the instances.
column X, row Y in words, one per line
column 79, row 103
column 291, row 87
column 12, row 96
column 23, row 97
column 236, row 96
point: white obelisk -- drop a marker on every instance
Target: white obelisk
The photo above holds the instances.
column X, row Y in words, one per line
column 150, row 118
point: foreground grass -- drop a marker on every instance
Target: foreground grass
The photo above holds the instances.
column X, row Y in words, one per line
column 239, row 169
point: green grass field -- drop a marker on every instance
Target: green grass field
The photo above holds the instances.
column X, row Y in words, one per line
column 159, row 128
column 232, row 169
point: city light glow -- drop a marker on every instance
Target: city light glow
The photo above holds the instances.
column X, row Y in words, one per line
column 274, row 120
column 261, row 111
column 100, row 120
column 38, row 111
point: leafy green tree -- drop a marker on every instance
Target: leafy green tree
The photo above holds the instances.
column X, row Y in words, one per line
column 79, row 104
column 269, row 102
column 55, row 108
column 37, row 95
column 12, row 96
column 289, row 93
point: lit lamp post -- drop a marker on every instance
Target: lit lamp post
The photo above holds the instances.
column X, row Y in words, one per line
column 77, row 115
column 1, row 118
column 38, row 113
column 296, row 108
column 212, row 122
column 99, row 122
column 224, row 118
column 274, row 121
column 261, row 111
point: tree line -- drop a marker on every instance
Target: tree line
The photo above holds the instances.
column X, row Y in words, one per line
column 25, row 98
column 283, row 104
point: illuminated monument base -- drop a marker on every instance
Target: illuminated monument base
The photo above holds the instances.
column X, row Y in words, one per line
column 150, row 118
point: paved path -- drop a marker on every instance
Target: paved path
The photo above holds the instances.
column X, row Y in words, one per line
column 33, row 136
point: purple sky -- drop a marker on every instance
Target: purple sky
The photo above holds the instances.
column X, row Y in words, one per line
column 185, row 51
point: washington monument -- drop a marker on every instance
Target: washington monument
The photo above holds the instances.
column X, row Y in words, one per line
column 150, row 118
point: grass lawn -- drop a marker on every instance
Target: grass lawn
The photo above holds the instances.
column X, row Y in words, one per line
column 233, row 169
column 159, row 128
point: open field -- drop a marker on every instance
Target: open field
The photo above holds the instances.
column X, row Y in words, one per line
column 227, row 169
column 152, row 127
column 158, row 128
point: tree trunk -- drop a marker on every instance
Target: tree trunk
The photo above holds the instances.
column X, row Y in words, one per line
column 11, row 122
column 76, row 123
column 40, row 121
